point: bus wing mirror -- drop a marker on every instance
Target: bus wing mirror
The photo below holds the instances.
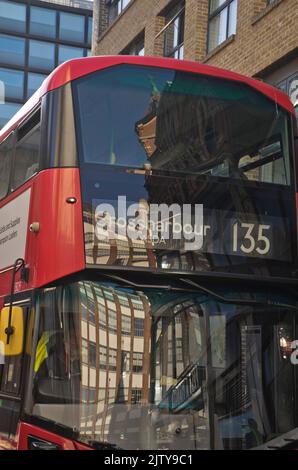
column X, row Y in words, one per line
column 15, row 346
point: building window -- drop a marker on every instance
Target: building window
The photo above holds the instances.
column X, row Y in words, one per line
column 290, row 86
column 116, row 7
column 112, row 321
column 112, row 359
column 72, row 27
column 91, row 354
column 136, row 395
column 89, row 30
column 68, row 52
column 137, row 362
column 13, row 81
column 102, row 357
column 7, row 110
column 126, row 325
column 139, row 327
column 84, row 351
column 222, row 21
column 12, row 50
column 41, row 55
column 136, row 47
column 34, row 82
column 12, row 16
column 43, row 22
column 174, row 33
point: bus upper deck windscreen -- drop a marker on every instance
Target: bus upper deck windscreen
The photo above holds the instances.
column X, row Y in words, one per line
column 162, row 136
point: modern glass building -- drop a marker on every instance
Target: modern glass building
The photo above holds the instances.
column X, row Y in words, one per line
column 35, row 37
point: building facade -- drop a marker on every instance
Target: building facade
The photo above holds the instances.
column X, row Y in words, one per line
column 257, row 38
column 35, row 37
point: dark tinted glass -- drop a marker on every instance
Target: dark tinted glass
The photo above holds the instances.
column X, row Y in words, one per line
column 201, row 374
column 180, row 122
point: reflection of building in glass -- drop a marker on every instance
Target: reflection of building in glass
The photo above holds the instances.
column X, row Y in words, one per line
column 143, row 376
column 113, row 247
column 116, row 332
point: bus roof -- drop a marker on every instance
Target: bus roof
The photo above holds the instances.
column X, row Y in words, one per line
column 76, row 68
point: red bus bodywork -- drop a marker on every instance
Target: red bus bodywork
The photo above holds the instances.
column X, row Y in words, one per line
column 50, row 253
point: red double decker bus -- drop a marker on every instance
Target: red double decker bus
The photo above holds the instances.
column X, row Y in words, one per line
column 148, row 261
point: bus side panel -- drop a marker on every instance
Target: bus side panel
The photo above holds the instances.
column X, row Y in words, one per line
column 57, row 249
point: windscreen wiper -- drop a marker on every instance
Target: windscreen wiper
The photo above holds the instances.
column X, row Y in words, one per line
column 101, row 445
column 230, row 300
column 220, row 298
column 143, row 286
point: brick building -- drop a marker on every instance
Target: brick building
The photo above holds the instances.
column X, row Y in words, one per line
column 254, row 37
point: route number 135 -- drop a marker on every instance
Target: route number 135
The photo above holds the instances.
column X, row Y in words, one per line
column 253, row 239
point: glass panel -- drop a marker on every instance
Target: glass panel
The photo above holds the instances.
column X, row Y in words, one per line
column 293, row 89
column 72, row 27
column 113, row 11
column 26, row 158
column 89, row 31
column 218, row 29
column 214, row 4
column 12, row 50
column 34, row 82
column 43, row 22
column 41, row 55
column 222, row 144
column 69, row 52
column 7, row 110
column 174, row 36
column 232, row 18
column 178, row 54
column 6, row 152
column 12, row 16
column 202, row 374
column 13, row 82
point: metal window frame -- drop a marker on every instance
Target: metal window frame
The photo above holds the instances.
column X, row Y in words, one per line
column 135, row 46
column 171, row 53
column 112, row 4
column 227, row 4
